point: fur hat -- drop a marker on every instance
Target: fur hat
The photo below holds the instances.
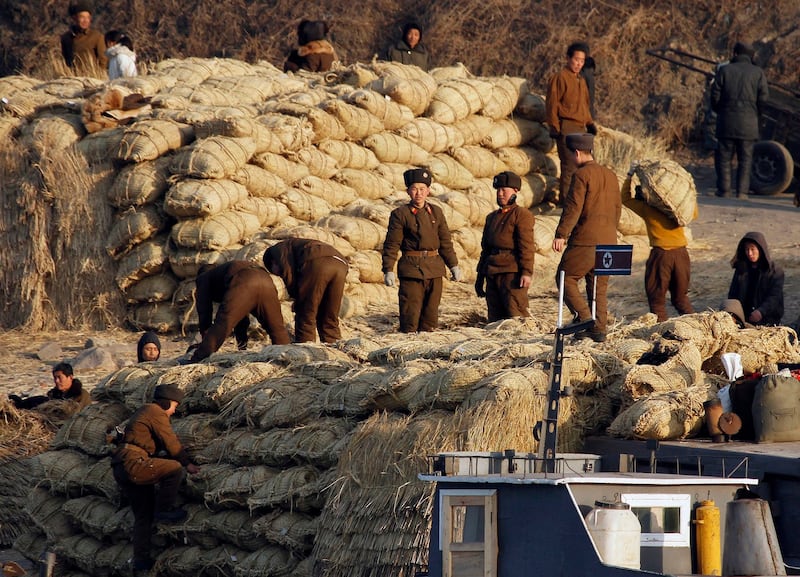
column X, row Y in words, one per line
column 580, row 141
column 744, row 49
column 734, row 307
column 168, row 392
column 310, row 30
column 78, row 7
column 507, row 179
column 415, row 175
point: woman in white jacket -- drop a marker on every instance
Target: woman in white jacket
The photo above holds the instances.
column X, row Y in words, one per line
column 121, row 57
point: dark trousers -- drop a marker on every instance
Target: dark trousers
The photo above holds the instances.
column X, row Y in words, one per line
column 668, row 270
column 319, row 300
column 723, row 161
column 419, row 304
column 258, row 297
column 577, row 262
column 504, row 297
column 145, row 500
column 569, row 164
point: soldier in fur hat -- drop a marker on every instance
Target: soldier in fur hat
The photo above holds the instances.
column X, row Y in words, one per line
column 505, row 267
column 419, row 230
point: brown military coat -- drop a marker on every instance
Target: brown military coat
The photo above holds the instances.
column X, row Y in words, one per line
column 424, row 229
column 592, row 207
column 507, row 244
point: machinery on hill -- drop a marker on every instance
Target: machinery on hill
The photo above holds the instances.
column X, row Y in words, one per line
column 776, row 157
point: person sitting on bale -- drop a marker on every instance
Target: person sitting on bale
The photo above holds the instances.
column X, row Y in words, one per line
column 757, row 281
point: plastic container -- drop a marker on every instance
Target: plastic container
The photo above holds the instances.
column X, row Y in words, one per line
column 751, row 543
column 616, row 533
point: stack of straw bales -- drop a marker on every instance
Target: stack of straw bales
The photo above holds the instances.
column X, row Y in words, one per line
column 309, row 453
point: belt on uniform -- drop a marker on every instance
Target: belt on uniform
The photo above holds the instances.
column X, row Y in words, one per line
column 501, row 250
column 434, row 252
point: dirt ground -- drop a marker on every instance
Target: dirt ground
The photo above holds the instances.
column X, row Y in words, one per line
column 715, row 233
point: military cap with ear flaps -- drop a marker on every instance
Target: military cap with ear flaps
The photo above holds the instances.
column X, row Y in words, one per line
column 168, row 392
column 507, row 179
column 580, row 141
column 414, row 175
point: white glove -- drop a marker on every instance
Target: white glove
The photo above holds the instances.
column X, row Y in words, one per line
column 458, row 276
column 389, row 278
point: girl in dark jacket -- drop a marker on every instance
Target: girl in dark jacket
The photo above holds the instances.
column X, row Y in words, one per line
column 757, row 281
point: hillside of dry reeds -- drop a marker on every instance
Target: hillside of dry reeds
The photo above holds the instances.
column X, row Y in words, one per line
column 515, row 37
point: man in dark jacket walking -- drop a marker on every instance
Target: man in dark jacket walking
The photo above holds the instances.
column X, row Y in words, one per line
column 419, row 230
column 757, row 281
column 242, row 288
column 738, row 95
column 314, row 275
column 505, row 267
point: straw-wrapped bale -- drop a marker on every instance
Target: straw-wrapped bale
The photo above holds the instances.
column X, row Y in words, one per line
column 504, row 96
column 376, row 212
column 155, row 316
column 145, row 259
column 431, row 135
column 369, row 185
column 664, row 416
column 151, row 289
column 368, row 264
column 194, row 197
column 758, row 348
column 318, row 162
column 99, row 518
column 415, row 93
column 265, row 562
column 287, row 170
column 531, row 106
column 94, row 147
column 448, row 171
column 363, row 234
column 681, row 370
column 140, row 183
column 88, row 430
column 185, row 262
column 358, row 122
column 150, row 138
column 474, row 128
column 516, row 132
column 390, row 113
column 390, row 147
column 134, row 226
column 315, row 233
column 349, row 154
column 45, row 510
column 215, row 232
column 294, row 133
column 259, row 182
column 304, row 206
column 268, row 210
column 51, row 132
column 213, row 157
column 290, row 529
column 481, row 162
column 456, row 99
column 523, row 159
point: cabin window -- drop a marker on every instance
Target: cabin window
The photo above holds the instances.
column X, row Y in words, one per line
column 665, row 518
column 468, row 532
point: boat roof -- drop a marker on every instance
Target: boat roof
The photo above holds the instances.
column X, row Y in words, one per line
column 614, row 478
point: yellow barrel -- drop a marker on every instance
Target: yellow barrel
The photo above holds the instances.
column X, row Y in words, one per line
column 708, row 537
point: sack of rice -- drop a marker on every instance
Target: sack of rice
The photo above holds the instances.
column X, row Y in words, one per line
column 481, row 162
column 431, row 135
column 213, row 157
column 631, row 223
column 325, row 125
column 318, row 162
column 148, row 139
column 392, row 114
column 664, row 416
column 414, row 93
column 152, row 289
column 469, row 238
column 191, row 197
column 456, row 99
column 259, row 183
column 535, row 188
column 191, row 70
column 376, row 212
column 294, row 133
column 523, row 159
column 247, row 87
column 369, row 185
column 363, row 234
column 457, row 70
column 358, row 122
column 531, row 107
column 667, row 186
column 289, row 171
column 185, row 263
column 50, row 132
column 202, row 94
column 516, row 132
column 455, row 220
column 505, row 94
column 304, row 206
column 368, row 264
column 332, row 192
column 93, row 147
column 146, row 259
column 215, row 232
column 472, row 207
column 269, row 211
column 390, row 147
column 448, row 171
column 314, row 233
column 133, row 226
column 146, row 85
column 349, row 154
column 138, row 184
column 544, row 231
column 473, row 128
column 393, row 173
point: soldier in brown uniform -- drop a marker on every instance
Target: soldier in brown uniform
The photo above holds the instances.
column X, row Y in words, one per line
column 138, row 467
column 82, row 46
column 242, row 288
column 505, row 267
column 314, row 275
column 591, row 215
column 567, row 110
column 419, row 230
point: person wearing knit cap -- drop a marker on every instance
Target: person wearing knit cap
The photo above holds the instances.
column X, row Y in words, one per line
column 138, row 468
column 738, row 95
column 590, row 217
column 410, row 50
column 148, row 348
column 83, row 47
column 505, row 266
column 567, row 110
column 418, row 230
column 314, row 52
column 757, row 281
